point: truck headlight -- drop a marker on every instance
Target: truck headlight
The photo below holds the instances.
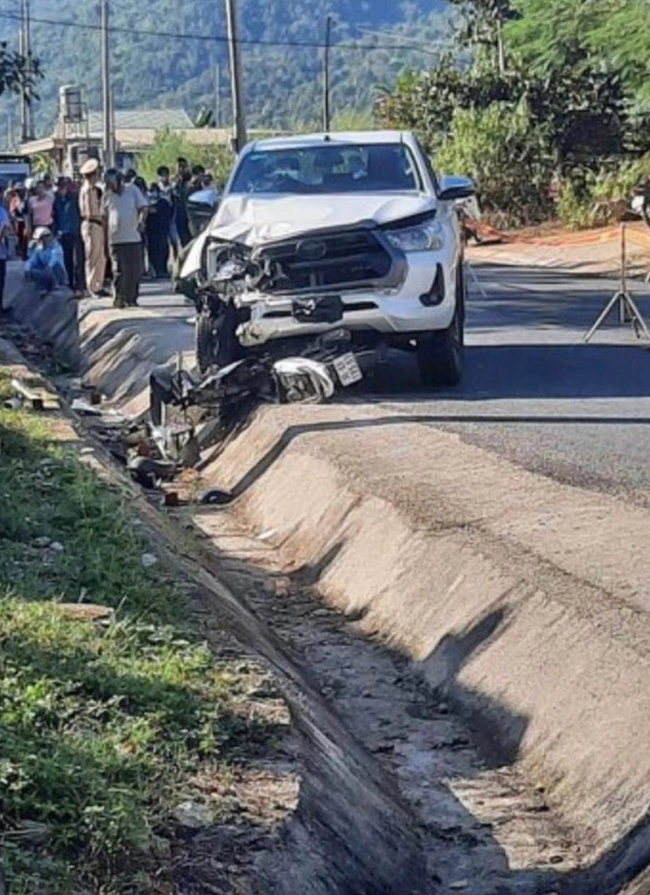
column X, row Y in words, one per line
column 425, row 237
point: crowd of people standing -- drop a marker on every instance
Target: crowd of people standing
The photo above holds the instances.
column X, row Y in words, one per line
column 99, row 234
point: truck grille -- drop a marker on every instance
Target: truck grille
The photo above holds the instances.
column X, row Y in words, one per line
column 344, row 260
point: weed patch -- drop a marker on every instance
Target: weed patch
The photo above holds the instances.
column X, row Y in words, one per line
column 103, row 721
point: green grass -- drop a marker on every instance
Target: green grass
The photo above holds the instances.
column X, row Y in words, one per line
column 101, row 725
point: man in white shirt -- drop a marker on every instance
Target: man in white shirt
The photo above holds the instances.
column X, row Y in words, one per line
column 126, row 212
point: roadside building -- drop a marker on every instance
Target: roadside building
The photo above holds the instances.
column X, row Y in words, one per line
column 72, row 143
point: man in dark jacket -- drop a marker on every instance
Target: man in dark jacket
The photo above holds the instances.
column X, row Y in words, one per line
column 67, row 224
column 180, row 193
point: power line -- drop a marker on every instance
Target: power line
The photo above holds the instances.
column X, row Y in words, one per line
column 222, row 38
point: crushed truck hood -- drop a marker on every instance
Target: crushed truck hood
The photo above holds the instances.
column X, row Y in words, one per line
column 253, row 220
column 256, row 220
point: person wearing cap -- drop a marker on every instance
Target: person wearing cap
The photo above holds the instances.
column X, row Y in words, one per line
column 126, row 209
column 92, row 227
column 45, row 265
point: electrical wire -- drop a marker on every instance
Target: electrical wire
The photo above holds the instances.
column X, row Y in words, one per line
column 222, row 38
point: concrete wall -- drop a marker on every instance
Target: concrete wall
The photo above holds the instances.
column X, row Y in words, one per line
column 121, row 347
column 50, row 321
column 526, row 600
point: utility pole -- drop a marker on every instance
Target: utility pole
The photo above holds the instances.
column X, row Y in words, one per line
column 326, row 77
column 23, row 91
column 25, row 50
column 239, row 117
column 217, row 94
column 501, row 53
column 107, row 110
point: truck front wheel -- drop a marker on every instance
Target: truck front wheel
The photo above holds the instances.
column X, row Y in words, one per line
column 440, row 353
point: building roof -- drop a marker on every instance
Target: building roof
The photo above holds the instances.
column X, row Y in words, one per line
column 133, row 139
column 136, row 139
column 35, row 147
column 138, row 119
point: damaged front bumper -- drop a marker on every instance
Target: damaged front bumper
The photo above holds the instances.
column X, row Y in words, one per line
column 353, row 278
column 424, row 301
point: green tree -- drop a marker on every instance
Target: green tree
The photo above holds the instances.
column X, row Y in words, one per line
column 581, row 86
column 168, row 147
column 17, row 74
column 483, row 23
column 507, row 153
column 610, row 36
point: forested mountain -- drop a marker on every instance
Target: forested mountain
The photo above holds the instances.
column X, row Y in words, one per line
column 167, row 52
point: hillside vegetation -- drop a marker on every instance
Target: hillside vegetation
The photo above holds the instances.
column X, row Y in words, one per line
column 545, row 102
column 282, row 75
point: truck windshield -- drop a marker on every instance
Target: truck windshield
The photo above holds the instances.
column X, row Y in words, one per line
column 328, row 168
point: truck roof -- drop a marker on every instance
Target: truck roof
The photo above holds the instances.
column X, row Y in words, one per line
column 354, row 138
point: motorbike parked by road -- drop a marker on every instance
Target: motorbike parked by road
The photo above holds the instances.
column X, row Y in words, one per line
column 469, row 214
column 640, row 202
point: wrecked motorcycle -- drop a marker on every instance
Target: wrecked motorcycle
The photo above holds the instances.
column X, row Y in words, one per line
column 234, row 374
column 230, row 392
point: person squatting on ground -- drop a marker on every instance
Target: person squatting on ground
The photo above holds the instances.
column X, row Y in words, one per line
column 92, row 227
column 67, row 225
column 45, row 265
column 126, row 209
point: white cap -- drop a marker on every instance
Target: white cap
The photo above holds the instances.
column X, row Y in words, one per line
column 89, row 166
column 42, row 232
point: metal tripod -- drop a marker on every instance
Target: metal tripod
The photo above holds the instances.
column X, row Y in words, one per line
column 628, row 312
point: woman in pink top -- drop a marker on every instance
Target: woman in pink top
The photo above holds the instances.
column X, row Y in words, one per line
column 41, row 207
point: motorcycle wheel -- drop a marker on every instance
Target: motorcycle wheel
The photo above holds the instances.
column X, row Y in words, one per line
column 204, row 341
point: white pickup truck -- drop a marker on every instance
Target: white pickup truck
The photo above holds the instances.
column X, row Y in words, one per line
column 349, row 231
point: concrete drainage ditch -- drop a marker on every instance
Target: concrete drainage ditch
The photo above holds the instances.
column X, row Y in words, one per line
column 458, row 641
column 396, row 795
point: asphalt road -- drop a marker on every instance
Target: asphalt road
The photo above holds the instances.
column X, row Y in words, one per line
column 535, row 392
